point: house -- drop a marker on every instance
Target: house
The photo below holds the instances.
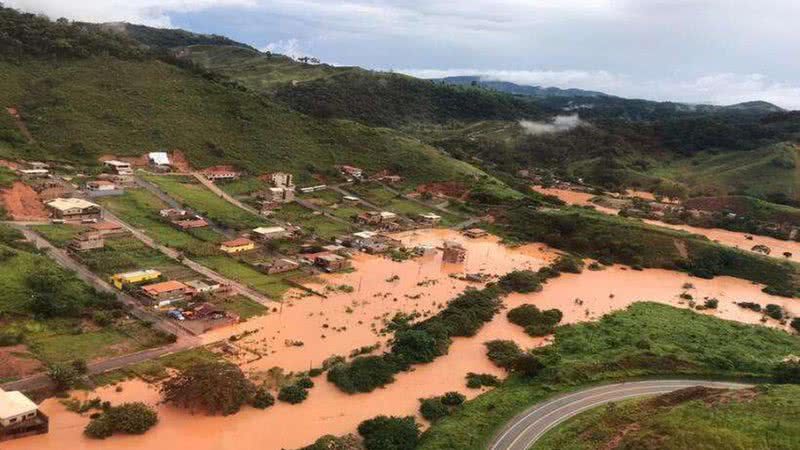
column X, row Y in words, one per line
column 281, row 265
column 282, row 180
column 87, row 241
column 159, row 160
column 74, row 210
column 221, row 173
column 119, row 167
column 332, row 263
column 188, row 224
column 351, row 172
column 52, row 188
column 475, row 233
column 237, row 246
column 335, row 248
column 20, row 417
column 279, row 195
column 167, row 292
column 207, row 311
column 203, row 286
column 317, row 188
column 269, row 233
column 29, row 174
column 172, row 213
column 122, row 181
column 100, row 185
column 351, row 200
column 369, row 218
column 430, row 218
column 108, row 229
column 38, row 165
column 454, row 252
column 136, row 277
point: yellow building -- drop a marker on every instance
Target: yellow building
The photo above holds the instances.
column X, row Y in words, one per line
column 137, row 277
column 237, row 246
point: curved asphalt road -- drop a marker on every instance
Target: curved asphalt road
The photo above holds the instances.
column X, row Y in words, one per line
column 525, row 429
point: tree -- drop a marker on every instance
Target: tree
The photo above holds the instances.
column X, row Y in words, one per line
column 432, row 409
column 49, row 297
column 293, row 394
column 522, row 281
column 128, row 418
column 63, row 376
column 503, row 353
column 262, row 399
column 215, row 387
column 390, row 433
column 796, row 324
column 453, row 398
column 528, row 365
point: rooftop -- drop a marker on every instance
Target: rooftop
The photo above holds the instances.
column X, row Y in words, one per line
column 365, row 234
column 160, row 158
column 269, row 230
column 166, row 286
column 63, row 204
column 15, row 403
column 139, row 273
column 240, row 242
column 106, row 226
column 116, row 163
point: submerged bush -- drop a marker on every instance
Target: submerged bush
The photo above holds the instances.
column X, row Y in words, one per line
column 503, row 353
column 535, row 322
column 293, row 394
column 128, row 418
column 478, row 380
column 390, row 433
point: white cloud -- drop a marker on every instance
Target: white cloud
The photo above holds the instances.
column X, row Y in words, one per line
column 288, row 47
column 559, row 124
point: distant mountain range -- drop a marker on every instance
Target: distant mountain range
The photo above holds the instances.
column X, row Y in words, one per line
column 518, row 89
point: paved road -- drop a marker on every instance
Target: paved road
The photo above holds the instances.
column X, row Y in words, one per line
column 525, row 429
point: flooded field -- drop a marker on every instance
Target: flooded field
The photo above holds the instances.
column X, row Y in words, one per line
column 380, row 288
column 725, row 237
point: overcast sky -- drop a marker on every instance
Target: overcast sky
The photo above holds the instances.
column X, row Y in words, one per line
column 714, row 51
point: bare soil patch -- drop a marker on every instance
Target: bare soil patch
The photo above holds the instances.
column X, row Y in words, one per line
column 17, row 362
column 22, row 202
column 179, row 161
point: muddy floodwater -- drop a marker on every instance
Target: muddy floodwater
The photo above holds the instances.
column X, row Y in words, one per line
column 346, row 320
column 725, row 237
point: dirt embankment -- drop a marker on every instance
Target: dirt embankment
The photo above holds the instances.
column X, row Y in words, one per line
column 23, row 129
column 452, row 189
column 179, row 161
column 16, row 362
column 21, row 202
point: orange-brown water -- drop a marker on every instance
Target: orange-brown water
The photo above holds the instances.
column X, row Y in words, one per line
column 730, row 238
column 327, row 410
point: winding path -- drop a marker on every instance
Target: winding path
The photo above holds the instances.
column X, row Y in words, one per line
column 528, row 427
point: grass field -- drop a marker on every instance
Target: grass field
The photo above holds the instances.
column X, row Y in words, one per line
column 764, row 418
column 324, row 227
column 156, row 369
column 242, row 306
column 206, row 203
column 59, row 235
column 272, row 286
column 125, row 254
column 243, row 186
column 380, row 196
column 645, row 340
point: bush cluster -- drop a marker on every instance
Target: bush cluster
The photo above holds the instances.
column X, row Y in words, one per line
column 214, row 387
column 535, row 322
column 434, row 408
column 478, row 380
column 128, row 418
column 390, row 433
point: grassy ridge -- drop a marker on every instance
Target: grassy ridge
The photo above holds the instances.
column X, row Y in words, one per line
column 646, row 339
column 765, row 418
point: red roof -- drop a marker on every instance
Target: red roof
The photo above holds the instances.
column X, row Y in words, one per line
column 240, row 242
column 167, row 286
column 106, row 226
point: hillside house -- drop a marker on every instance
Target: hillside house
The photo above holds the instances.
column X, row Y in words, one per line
column 279, row 195
column 475, row 233
column 204, row 286
column 108, row 229
column 20, row 417
column 31, row 174
column 430, row 218
column 167, row 292
column 100, row 185
column 454, row 252
column 87, row 241
column 280, row 266
column 237, row 246
column 188, row 224
column 74, row 210
column 332, row 263
column 282, row 180
column 52, row 188
column 119, row 167
column 351, row 172
column 317, row 188
column 172, row 213
column 222, row 173
column 159, row 161
column 269, row 233
column 136, row 277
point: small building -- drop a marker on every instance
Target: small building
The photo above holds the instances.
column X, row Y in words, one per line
column 424, row 250
column 430, row 218
column 332, row 263
column 269, row 233
column 279, row 195
column 351, row 200
column 351, row 172
column 167, row 292
column 159, row 159
column 188, row 224
column 30, row 174
column 281, row 265
column 119, row 167
column 237, row 246
column 475, row 233
column 204, row 286
column 172, row 213
column 136, row 277
column 100, row 185
column 207, row 311
column 317, row 188
column 20, row 417
column 454, row 252
column 108, row 229
column 87, row 241
column 282, row 180
column 221, row 173
column 74, row 210
column 38, row 165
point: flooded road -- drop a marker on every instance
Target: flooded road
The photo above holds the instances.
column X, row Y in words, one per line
column 381, row 288
column 725, row 237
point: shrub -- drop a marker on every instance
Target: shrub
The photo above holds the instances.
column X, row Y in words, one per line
column 262, row 399
column 522, row 281
column 787, row 372
column 390, row 433
column 712, row 303
column 774, row 311
column 292, row 394
column 569, row 264
column 528, row 365
column 414, row 346
column 215, row 387
column 305, row 383
column 331, row 442
column 62, row 376
column 750, row 305
column 128, row 418
column 503, row 353
column 363, row 374
column 478, row 380
column 10, row 337
column 80, row 367
column 796, row 324
column 433, row 409
column 453, row 398
column 102, row 318
column 536, row 322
